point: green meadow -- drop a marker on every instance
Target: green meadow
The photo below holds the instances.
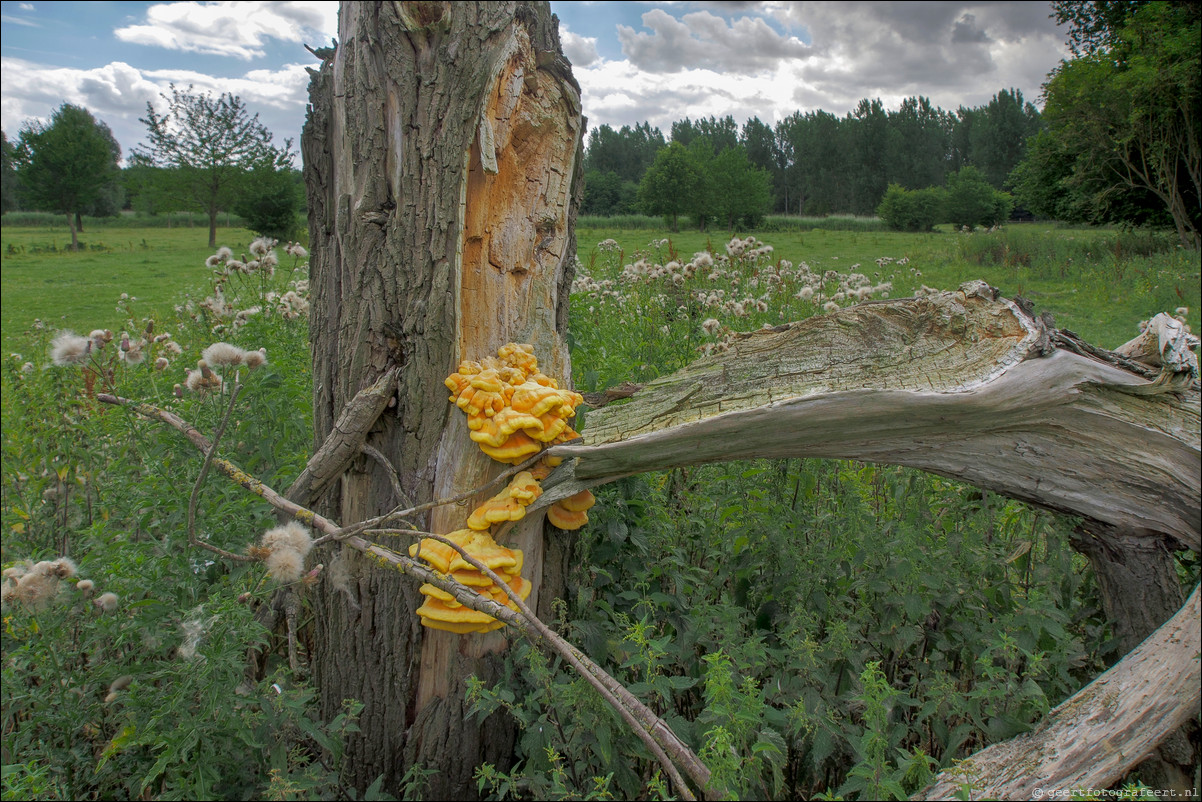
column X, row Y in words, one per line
column 1098, row 283
column 813, row 628
column 43, row 279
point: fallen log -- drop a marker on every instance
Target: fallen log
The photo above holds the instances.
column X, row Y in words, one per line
column 974, row 387
column 963, row 384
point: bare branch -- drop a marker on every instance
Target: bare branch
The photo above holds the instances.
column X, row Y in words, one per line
column 346, row 439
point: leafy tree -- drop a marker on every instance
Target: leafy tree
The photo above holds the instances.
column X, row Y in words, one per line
column 270, row 202
column 817, row 154
column 670, row 184
column 1124, row 115
column 608, row 194
column 8, row 176
column 627, row 152
column 998, row 139
column 209, row 144
column 69, row 166
column 764, row 151
column 741, row 192
column 870, row 137
column 722, row 134
column 912, row 209
column 971, row 201
column 1093, row 26
column 918, row 147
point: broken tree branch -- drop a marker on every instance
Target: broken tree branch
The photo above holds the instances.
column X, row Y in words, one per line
column 1102, row 731
column 346, row 439
column 962, row 384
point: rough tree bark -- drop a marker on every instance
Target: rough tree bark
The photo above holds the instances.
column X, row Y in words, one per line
column 442, row 162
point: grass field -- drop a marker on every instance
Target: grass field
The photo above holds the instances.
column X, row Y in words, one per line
column 44, row 280
column 1098, row 283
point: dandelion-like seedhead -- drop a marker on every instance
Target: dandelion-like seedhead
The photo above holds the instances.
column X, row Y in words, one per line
column 69, row 348
column 255, row 359
column 286, row 547
column 285, row 565
column 106, row 602
column 221, row 354
column 292, row 536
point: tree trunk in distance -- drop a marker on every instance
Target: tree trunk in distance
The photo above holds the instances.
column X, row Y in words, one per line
column 442, row 164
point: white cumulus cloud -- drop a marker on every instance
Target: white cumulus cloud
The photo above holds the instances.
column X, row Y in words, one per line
column 235, row 29
column 580, row 50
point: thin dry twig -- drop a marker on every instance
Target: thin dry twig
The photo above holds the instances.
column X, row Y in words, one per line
column 194, row 499
column 395, row 480
column 382, row 521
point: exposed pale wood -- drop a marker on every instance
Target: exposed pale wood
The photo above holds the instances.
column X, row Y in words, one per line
column 1102, row 731
column 962, row 384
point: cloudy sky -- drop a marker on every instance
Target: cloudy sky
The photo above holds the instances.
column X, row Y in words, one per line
column 636, row 61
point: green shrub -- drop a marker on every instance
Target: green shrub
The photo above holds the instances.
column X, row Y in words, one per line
column 912, row 209
column 971, row 201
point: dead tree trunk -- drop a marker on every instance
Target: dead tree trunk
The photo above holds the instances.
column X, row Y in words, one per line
column 442, row 158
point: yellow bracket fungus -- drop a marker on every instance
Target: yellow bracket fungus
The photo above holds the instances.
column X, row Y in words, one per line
column 512, row 408
column 508, row 505
column 513, row 411
column 441, row 610
column 572, row 512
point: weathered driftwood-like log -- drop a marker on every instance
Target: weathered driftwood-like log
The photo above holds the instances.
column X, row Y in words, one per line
column 1121, row 716
column 962, row 384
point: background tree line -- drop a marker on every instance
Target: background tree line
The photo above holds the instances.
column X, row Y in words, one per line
column 202, row 154
column 1118, row 143
column 810, row 163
